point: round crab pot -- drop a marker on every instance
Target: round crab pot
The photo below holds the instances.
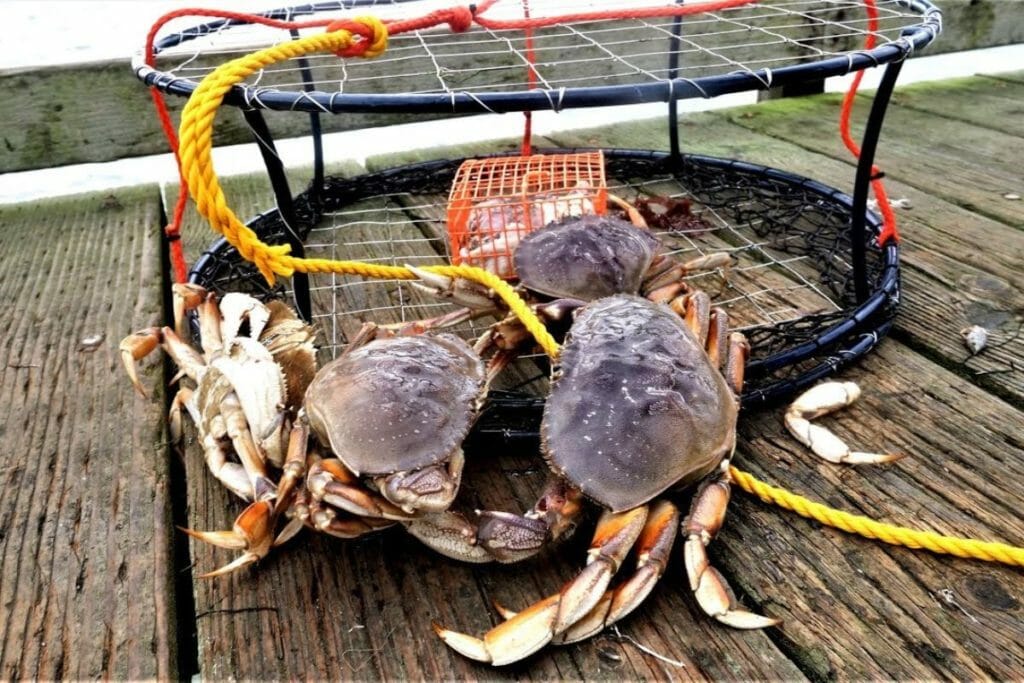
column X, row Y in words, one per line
column 815, row 277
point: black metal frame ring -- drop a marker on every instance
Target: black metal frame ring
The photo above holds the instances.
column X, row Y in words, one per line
column 316, row 101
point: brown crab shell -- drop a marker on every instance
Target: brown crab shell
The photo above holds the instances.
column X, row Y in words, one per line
column 585, row 257
column 397, row 404
column 636, row 407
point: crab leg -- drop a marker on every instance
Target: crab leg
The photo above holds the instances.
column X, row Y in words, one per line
column 652, row 555
column 475, row 301
column 712, row 591
column 717, row 344
column 821, row 400
column 632, row 212
column 229, row 473
column 331, row 482
column 138, row 345
column 330, row 521
column 477, row 298
column 737, row 352
column 665, row 272
column 537, row 625
column 294, row 470
column 695, row 307
column 230, row 423
column 707, row 511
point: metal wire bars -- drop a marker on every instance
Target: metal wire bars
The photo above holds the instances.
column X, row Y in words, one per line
column 476, row 66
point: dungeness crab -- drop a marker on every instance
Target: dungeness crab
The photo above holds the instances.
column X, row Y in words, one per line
column 249, row 379
column 393, row 412
column 580, row 257
column 642, row 402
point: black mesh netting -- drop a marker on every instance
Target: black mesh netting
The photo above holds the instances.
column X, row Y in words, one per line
column 791, row 289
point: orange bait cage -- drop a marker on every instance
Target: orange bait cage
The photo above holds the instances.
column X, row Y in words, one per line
column 496, row 202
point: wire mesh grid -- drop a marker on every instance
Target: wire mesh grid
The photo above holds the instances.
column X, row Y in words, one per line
column 495, row 202
column 789, row 282
column 599, row 54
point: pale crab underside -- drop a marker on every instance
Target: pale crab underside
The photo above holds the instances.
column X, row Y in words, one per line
column 256, row 360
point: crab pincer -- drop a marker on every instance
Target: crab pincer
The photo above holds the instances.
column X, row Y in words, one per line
column 820, row 400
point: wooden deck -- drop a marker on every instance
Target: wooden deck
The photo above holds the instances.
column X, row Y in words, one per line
column 96, row 582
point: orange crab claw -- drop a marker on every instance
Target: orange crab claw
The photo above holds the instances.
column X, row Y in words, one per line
column 135, row 347
column 252, row 533
column 187, row 296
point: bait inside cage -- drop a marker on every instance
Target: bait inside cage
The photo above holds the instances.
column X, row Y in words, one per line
column 495, row 202
column 815, row 280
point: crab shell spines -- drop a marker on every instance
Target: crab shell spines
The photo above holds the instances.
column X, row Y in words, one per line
column 585, row 257
column 397, row 404
column 636, row 407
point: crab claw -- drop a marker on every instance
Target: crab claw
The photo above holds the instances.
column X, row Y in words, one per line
column 511, row 640
column 821, row 400
column 713, row 593
column 460, row 291
column 135, row 347
column 187, row 296
column 252, row 533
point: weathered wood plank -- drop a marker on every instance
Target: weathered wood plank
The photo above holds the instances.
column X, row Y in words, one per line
column 854, row 608
column 970, row 166
column 85, row 529
column 1010, row 77
column 984, row 102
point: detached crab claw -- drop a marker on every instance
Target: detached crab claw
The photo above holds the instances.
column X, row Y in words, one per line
column 820, row 400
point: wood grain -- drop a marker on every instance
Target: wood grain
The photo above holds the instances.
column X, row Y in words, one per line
column 85, row 528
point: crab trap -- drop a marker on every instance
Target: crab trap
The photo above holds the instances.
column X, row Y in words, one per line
column 813, row 275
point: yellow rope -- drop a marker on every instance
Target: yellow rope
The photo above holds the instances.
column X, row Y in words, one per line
column 195, row 151
column 869, row 528
column 195, row 148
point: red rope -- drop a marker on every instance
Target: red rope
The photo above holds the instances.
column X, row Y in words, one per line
column 531, row 82
column 889, row 231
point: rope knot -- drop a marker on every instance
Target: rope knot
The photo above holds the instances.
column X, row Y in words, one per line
column 460, row 19
column 372, row 34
